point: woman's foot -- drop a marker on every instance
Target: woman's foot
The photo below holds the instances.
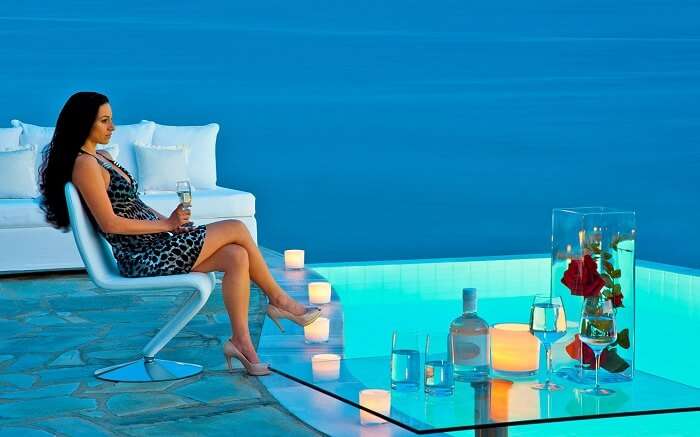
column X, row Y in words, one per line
column 245, row 346
column 284, row 302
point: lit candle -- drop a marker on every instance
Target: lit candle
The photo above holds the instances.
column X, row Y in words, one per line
column 319, row 292
column 376, row 400
column 325, row 367
column 317, row 332
column 514, row 349
column 294, row 259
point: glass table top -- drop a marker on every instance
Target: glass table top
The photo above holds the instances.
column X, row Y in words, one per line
column 491, row 403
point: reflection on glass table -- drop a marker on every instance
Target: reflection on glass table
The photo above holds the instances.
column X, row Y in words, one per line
column 491, row 403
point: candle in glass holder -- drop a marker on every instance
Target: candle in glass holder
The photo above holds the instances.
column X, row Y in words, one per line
column 318, row 331
column 325, row 367
column 319, row 292
column 375, row 400
column 294, row 259
column 514, row 349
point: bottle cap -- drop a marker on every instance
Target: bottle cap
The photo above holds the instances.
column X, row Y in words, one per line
column 469, row 300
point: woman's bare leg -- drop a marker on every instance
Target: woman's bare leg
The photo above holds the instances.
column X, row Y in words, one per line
column 232, row 259
column 225, row 232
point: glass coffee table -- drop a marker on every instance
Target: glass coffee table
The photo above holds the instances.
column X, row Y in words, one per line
column 489, row 407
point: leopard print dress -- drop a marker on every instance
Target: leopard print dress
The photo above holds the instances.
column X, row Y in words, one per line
column 158, row 254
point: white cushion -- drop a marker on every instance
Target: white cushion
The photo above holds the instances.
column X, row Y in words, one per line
column 202, row 143
column 160, row 167
column 112, row 149
column 125, row 136
column 33, row 134
column 219, row 202
column 21, row 213
column 9, row 138
column 206, row 204
column 17, row 173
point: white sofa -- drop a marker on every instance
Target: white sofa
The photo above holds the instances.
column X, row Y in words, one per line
column 28, row 243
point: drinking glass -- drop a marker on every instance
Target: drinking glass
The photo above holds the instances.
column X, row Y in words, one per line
column 597, row 330
column 438, row 369
column 548, row 324
column 184, row 192
column 405, row 361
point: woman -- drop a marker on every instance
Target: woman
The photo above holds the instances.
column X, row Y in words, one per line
column 147, row 243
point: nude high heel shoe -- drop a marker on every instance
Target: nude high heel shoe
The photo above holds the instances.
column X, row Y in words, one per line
column 255, row 369
column 276, row 314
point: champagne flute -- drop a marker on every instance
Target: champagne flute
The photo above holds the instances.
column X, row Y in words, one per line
column 184, row 192
column 597, row 330
column 548, row 325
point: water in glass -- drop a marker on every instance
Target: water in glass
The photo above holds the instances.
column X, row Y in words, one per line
column 548, row 325
column 439, row 369
column 405, row 361
column 597, row 330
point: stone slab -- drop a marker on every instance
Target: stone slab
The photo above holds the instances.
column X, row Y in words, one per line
column 265, row 421
column 18, row 379
column 45, row 407
column 69, row 358
column 75, row 427
column 43, row 392
column 17, row 431
column 138, row 403
column 218, row 389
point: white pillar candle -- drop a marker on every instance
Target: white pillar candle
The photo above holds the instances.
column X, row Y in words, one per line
column 513, row 348
column 318, row 331
column 376, row 400
column 325, row 367
column 319, row 292
column 294, row 259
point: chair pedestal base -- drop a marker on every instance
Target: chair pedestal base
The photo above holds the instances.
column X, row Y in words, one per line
column 148, row 370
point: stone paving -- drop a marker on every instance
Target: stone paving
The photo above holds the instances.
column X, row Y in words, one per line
column 56, row 329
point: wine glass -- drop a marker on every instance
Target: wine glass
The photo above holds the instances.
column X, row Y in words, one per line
column 184, row 192
column 597, row 330
column 548, row 324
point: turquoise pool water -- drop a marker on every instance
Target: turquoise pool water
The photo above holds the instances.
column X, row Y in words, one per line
column 425, row 295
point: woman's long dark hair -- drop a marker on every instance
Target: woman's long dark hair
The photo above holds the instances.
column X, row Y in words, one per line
column 72, row 129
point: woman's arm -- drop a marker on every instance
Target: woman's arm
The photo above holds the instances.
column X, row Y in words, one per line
column 88, row 178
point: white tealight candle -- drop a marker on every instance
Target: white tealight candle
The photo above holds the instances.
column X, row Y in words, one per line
column 318, row 331
column 294, row 259
column 319, row 292
column 376, row 400
column 325, row 367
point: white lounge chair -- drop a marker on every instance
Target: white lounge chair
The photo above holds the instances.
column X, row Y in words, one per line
column 102, row 270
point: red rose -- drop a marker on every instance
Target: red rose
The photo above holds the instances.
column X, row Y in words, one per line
column 617, row 300
column 576, row 347
column 582, row 277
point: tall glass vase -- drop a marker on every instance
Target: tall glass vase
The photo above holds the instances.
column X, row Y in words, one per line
column 593, row 254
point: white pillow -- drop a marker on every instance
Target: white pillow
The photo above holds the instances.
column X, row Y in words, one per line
column 126, row 136
column 17, row 174
column 112, row 149
column 9, row 138
column 160, row 168
column 202, row 144
column 33, row 134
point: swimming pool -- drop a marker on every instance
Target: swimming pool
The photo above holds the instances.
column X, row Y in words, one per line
column 425, row 295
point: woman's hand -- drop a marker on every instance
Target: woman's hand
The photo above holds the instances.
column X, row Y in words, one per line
column 180, row 217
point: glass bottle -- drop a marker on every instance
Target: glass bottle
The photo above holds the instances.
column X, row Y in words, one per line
column 470, row 334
